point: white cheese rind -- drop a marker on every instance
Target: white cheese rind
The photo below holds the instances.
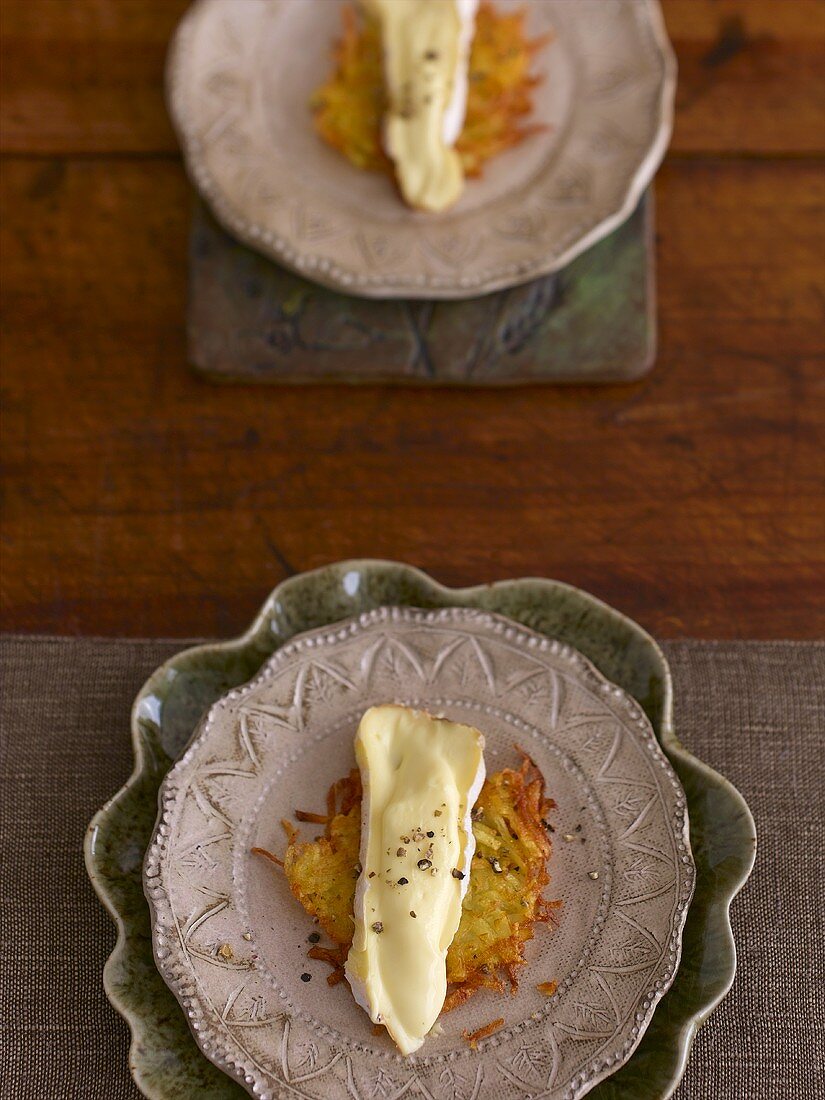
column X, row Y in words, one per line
column 419, row 774
column 457, row 107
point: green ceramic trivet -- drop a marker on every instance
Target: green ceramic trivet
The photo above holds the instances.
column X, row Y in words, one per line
column 253, row 321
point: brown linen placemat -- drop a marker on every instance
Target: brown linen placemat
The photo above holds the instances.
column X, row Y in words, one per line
column 753, row 710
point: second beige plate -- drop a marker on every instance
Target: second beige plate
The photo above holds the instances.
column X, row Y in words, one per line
column 240, row 77
column 231, row 941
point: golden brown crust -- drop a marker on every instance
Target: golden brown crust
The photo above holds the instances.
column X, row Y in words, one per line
column 504, row 899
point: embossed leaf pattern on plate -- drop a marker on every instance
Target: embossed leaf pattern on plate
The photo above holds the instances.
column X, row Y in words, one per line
column 230, row 940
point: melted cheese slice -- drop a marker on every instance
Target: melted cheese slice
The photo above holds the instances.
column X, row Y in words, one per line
column 426, row 46
column 421, row 776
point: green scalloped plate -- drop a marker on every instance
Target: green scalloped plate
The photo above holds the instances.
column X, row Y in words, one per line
column 165, row 1061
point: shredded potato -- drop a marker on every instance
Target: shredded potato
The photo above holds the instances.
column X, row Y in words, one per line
column 474, row 1037
column 503, row 900
column 349, row 106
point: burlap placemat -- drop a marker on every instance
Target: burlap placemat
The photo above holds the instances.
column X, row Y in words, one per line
column 755, row 711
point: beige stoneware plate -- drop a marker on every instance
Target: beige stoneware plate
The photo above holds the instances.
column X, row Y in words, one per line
column 230, row 940
column 239, row 79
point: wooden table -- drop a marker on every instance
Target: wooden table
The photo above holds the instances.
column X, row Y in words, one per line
column 140, row 500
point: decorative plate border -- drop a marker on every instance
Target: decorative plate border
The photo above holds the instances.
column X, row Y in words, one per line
column 165, row 1062
column 492, row 637
column 346, row 263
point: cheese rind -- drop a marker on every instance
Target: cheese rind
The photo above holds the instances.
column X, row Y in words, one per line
column 420, row 776
column 456, row 110
column 426, row 47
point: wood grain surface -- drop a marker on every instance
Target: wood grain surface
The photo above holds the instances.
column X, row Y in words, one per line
column 140, row 500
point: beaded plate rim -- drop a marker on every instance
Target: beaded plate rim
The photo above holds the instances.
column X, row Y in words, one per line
column 342, row 260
